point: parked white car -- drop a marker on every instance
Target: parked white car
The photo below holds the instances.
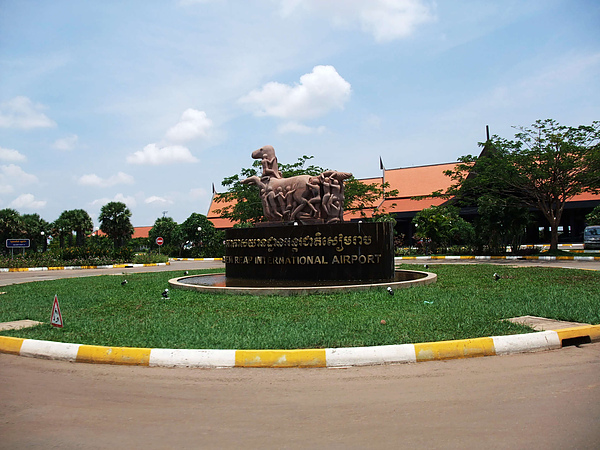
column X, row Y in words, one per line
column 591, row 237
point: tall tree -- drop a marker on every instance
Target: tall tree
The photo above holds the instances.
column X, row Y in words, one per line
column 169, row 230
column 66, row 227
column 11, row 226
column 546, row 165
column 115, row 221
column 82, row 224
column 34, row 227
column 60, row 229
column 75, row 221
column 500, row 222
column 199, row 232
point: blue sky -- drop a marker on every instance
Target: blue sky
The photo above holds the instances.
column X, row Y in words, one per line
column 150, row 102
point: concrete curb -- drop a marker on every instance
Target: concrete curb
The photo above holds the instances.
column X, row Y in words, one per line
column 329, row 357
column 486, row 258
column 111, row 266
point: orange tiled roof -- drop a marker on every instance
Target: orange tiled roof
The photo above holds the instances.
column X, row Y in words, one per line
column 408, row 181
column 216, row 219
column 138, row 232
column 141, row 232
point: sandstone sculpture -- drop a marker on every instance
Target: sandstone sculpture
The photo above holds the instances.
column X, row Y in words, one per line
column 303, row 198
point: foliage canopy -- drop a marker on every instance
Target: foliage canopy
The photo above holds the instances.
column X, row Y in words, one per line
column 115, row 221
column 545, row 166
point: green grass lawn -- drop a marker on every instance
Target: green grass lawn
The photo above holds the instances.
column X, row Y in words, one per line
column 466, row 302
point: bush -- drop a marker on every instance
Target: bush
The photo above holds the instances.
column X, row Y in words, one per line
column 403, row 251
column 150, row 258
column 122, row 254
column 70, row 256
column 439, row 227
column 593, row 218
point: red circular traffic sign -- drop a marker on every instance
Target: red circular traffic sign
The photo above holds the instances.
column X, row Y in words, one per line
column 159, row 241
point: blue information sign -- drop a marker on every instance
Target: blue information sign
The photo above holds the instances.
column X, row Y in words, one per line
column 17, row 243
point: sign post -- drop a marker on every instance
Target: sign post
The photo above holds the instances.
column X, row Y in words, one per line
column 159, row 241
column 17, row 243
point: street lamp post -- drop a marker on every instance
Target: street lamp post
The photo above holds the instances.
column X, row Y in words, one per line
column 200, row 239
column 45, row 239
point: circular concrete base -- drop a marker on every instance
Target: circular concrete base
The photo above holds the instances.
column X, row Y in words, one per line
column 216, row 284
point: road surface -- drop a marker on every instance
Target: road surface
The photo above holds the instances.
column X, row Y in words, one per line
column 545, row 400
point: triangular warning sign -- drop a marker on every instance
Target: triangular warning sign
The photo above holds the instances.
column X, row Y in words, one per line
column 56, row 318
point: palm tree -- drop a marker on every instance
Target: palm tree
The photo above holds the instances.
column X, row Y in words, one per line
column 34, row 226
column 11, row 225
column 115, row 222
column 82, row 224
column 60, row 228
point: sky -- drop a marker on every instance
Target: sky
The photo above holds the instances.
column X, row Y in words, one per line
column 151, row 102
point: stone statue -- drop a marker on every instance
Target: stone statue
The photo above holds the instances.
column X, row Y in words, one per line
column 303, row 198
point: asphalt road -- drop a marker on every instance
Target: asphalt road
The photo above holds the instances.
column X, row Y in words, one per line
column 542, row 400
column 7, row 278
column 547, row 400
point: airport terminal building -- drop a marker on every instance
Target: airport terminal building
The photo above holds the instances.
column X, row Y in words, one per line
column 410, row 182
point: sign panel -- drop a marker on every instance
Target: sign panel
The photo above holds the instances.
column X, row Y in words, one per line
column 343, row 251
column 56, row 318
column 17, row 243
column 159, row 241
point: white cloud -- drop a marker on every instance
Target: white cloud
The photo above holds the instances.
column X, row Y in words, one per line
column 158, row 200
column 15, row 175
column 6, row 189
column 386, row 20
column 67, row 143
column 128, row 200
column 318, row 93
column 27, row 201
column 20, row 112
column 295, row 127
column 198, row 193
column 8, row 154
column 193, row 124
column 154, row 155
column 94, row 180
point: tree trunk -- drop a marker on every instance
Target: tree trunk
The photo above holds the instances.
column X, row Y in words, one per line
column 553, row 210
column 554, row 221
column 554, row 236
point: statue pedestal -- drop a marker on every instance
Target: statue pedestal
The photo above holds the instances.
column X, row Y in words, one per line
column 342, row 251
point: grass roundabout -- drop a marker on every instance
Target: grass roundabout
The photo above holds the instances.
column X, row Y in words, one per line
column 466, row 302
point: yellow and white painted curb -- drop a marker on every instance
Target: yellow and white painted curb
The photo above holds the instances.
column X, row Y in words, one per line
column 328, row 357
column 110, row 266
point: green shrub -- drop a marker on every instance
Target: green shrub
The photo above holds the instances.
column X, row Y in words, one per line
column 150, row 258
